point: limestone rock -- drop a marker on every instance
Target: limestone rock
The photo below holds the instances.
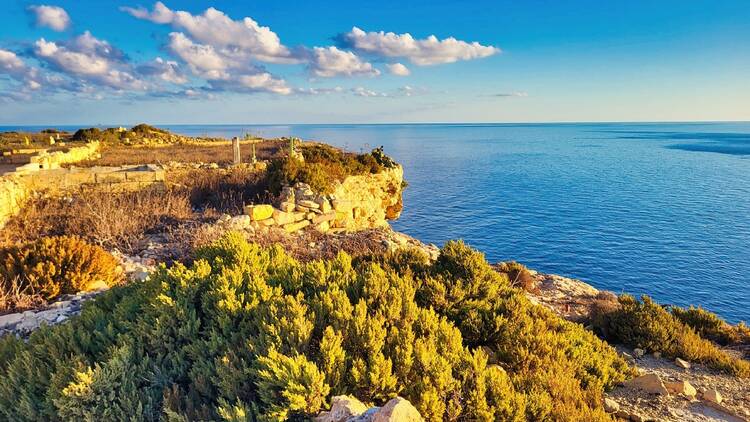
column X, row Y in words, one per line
column 657, row 355
column 681, row 387
column 712, row 396
column 308, row 204
column 259, row 212
column 10, row 319
column 283, row 217
column 397, row 410
column 682, row 363
column 330, row 216
column 342, row 408
column 323, row 227
column 287, row 206
column 650, row 383
column 611, row 406
column 293, row 227
column 639, row 352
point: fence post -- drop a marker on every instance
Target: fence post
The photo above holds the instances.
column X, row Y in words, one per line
column 236, row 150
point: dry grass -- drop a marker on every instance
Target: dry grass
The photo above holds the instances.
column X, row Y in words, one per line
column 221, row 152
column 15, row 298
column 120, row 220
column 220, row 190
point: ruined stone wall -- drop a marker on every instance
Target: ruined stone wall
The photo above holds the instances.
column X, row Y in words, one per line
column 360, row 202
column 16, row 187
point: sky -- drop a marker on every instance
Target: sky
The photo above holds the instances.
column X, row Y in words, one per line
column 79, row 62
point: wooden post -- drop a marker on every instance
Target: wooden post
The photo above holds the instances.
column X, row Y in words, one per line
column 236, row 150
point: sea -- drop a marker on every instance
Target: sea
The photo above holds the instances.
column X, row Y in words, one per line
column 643, row 208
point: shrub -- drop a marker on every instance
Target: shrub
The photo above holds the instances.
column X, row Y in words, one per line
column 58, row 265
column 90, row 134
column 518, row 275
column 248, row 333
column 709, row 326
column 648, row 325
column 323, row 167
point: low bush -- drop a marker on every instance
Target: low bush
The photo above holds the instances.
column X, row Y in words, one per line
column 647, row 325
column 248, row 333
column 710, row 326
column 323, row 166
column 518, row 275
column 57, row 265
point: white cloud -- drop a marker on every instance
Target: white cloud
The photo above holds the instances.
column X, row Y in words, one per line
column 218, row 30
column 511, row 94
column 166, row 70
column 12, row 65
column 53, row 17
column 328, row 62
column 88, row 58
column 364, row 92
column 161, row 13
column 428, row 51
column 202, row 59
column 398, row 69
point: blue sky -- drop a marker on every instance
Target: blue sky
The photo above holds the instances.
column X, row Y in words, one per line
column 124, row 62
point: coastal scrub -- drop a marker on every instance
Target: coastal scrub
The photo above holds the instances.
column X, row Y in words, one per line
column 249, row 333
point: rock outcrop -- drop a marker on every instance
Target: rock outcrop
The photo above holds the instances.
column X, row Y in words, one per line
column 349, row 409
column 360, row 202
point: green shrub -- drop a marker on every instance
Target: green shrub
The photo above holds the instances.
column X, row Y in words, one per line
column 248, row 333
column 323, row 167
column 648, row 325
column 90, row 134
column 57, row 265
column 709, row 326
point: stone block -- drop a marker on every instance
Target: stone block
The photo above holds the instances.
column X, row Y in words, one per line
column 293, row 227
column 282, row 217
column 259, row 212
column 330, row 216
column 110, row 177
column 140, row 176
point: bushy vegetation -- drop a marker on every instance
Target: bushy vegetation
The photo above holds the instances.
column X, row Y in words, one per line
column 323, row 166
column 518, row 275
column 710, row 326
column 645, row 324
column 56, row 265
column 248, row 333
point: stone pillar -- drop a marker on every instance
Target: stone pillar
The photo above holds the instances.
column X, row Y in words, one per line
column 236, row 150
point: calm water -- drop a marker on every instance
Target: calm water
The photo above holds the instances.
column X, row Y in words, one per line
column 662, row 209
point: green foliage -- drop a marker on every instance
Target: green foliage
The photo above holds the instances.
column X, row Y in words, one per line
column 144, row 129
column 709, row 326
column 323, row 166
column 88, row 134
column 648, row 325
column 57, row 265
column 248, row 333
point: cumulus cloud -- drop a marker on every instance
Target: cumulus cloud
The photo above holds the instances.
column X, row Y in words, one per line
column 11, row 64
column 166, row 70
column 428, row 51
column 398, row 69
column 53, row 17
column 218, row 30
column 328, row 62
column 91, row 59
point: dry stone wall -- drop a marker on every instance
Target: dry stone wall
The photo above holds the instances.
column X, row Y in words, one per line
column 16, row 187
column 360, row 202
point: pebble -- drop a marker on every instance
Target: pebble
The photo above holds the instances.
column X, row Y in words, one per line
column 682, row 363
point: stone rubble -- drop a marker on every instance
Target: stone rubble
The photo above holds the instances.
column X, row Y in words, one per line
column 349, row 409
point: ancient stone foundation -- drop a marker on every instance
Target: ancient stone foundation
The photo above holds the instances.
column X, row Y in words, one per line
column 360, row 202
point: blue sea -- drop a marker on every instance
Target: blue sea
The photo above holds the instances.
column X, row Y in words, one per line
column 658, row 209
